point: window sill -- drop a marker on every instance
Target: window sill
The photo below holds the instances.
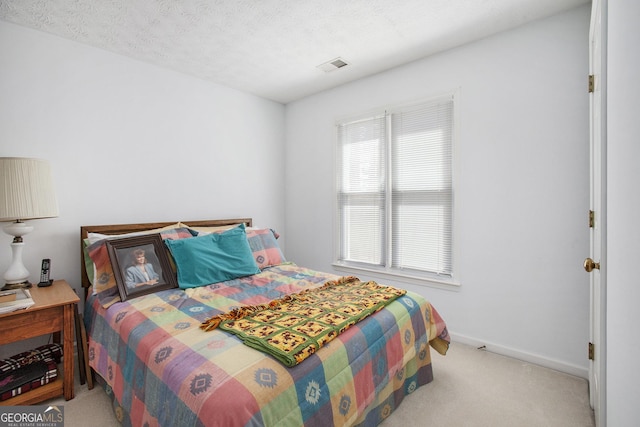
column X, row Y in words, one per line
column 426, row 281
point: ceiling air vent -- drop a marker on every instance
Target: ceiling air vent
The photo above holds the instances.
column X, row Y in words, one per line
column 333, row 65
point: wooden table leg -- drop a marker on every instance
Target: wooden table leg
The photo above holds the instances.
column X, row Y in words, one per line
column 67, row 350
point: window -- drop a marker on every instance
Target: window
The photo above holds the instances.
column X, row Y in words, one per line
column 394, row 190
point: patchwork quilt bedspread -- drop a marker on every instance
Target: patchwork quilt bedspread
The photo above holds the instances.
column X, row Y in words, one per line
column 162, row 369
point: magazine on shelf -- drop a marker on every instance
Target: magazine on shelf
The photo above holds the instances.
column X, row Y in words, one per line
column 15, row 299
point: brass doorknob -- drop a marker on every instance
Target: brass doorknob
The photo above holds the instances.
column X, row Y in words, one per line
column 589, row 265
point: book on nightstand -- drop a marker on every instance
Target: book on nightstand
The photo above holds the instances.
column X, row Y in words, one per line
column 15, row 299
column 23, row 375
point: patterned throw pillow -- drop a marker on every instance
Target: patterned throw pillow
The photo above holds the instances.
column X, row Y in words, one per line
column 264, row 246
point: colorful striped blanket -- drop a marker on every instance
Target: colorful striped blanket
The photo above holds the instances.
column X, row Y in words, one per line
column 161, row 369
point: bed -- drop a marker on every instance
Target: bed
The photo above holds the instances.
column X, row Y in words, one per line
column 159, row 365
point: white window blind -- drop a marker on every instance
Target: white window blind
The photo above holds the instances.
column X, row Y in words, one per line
column 362, row 195
column 395, row 194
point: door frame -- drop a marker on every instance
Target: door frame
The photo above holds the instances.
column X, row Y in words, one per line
column 597, row 203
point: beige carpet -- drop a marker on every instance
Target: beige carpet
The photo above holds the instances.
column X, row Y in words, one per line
column 471, row 387
column 477, row 388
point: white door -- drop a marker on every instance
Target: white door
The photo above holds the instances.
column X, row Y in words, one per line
column 595, row 264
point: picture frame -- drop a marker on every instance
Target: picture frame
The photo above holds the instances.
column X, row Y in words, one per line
column 140, row 265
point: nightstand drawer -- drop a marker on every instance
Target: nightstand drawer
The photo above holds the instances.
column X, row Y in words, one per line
column 31, row 324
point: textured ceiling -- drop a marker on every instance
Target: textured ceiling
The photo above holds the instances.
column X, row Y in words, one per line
column 272, row 48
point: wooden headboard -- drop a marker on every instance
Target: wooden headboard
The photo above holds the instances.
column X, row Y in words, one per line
column 132, row 228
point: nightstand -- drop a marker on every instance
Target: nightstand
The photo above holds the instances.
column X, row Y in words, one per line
column 53, row 312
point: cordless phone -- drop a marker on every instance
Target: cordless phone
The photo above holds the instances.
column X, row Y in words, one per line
column 44, row 273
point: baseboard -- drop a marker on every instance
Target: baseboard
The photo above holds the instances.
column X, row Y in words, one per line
column 536, row 359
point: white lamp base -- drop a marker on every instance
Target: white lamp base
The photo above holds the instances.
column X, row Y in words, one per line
column 17, row 275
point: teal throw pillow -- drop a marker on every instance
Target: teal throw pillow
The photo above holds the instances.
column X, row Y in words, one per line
column 212, row 258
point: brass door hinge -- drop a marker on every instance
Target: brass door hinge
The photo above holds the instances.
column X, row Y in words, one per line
column 591, row 351
column 592, row 219
column 591, row 83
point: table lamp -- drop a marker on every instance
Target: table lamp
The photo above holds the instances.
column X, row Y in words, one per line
column 26, row 192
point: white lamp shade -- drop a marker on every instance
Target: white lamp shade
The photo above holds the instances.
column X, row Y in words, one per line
column 26, row 189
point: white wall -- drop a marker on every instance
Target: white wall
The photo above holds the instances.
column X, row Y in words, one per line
column 623, row 205
column 131, row 142
column 521, row 184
